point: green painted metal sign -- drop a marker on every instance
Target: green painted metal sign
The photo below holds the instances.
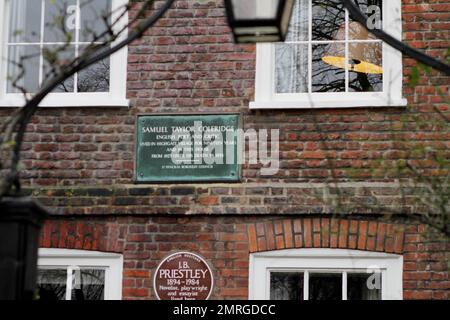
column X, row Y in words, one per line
column 187, row 148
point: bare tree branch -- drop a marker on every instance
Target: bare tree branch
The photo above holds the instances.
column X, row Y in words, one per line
column 27, row 111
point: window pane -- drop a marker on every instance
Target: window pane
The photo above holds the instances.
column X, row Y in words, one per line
column 286, row 286
column 365, row 67
column 23, row 68
column 325, row 286
column 92, row 18
column 89, row 284
column 51, row 284
column 373, row 9
column 291, row 71
column 362, row 286
column 358, row 32
column 328, row 17
column 299, row 25
column 25, row 19
column 328, row 67
column 60, row 20
column 94, row 78
column 63, row 55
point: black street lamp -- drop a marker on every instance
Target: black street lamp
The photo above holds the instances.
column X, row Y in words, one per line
column 259, row 20
column 20, row 221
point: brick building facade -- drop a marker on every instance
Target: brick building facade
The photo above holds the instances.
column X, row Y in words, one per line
column 80, row 162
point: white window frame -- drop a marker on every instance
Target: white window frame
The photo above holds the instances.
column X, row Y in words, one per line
column 267, row 98
column 325, row 260
column 116, row 97
column 112, row 263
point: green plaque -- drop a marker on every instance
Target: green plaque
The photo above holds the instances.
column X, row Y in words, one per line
column 187, row 148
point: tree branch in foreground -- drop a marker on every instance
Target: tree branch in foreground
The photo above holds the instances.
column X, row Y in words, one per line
column 31, row 106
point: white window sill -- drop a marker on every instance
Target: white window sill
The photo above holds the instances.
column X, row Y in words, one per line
column 326, row 103
column 69, row 100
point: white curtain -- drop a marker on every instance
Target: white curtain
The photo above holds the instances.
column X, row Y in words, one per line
column 16, row 31
column 291, row 67
column 24, row 27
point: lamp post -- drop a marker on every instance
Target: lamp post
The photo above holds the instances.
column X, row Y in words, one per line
column 20, row 221
column 259, row 20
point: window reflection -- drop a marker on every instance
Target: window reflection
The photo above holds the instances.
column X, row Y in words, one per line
column 361, row 286
column 336, row 46
column 59, row 21
column 35, row 56
column 325, row 286
column 89, row 284
column 327, row 17
column 24, row 22
column 93, row 22
column 326, row 77
column 365, row 67
column 373, row 9
column 94, row 78
column 23, row 68
column 286, row 286
column 51, row 284
column 63, row 54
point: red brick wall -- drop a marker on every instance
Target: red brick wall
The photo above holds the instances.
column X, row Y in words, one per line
column 227, row 242
column 188, row 63
column 220, row 199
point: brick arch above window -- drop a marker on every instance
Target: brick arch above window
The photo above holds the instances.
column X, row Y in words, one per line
column 367, row 235
column 81, row 235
